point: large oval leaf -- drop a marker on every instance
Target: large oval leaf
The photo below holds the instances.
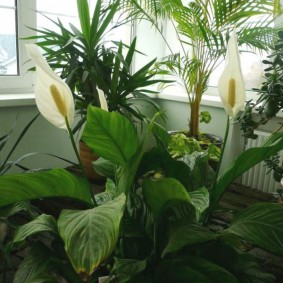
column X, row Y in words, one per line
column 126, row 269
column 110, row 135
column 90, row 235
column 163, row 193
column 185, row 233
column 53, row 183
column 43, row 223
column 261, row 224
column 36, row 267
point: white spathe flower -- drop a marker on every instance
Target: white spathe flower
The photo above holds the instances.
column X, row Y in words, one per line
column 53, row 96
column 231, row 85
column 102, row 99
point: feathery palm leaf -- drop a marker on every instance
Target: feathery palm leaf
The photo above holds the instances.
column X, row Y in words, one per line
column 203, row 28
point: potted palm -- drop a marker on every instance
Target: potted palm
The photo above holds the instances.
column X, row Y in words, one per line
column 202, row 29
column 89, row 63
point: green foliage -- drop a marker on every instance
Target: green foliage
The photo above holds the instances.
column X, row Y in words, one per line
column 163, row 193
column 43, row 223
column 6, row 164
column 269, row 102
column 261, row 225
column 106, row 137
column 144, row 229
column 185, row 233
column 53, row 183
column 97, row 229
column 36, row 267
column 191, row 269
column 205, row 117
column 270, row 95
column 87, row 62
column 181, row 145
column 203, row 28
column 245, row 161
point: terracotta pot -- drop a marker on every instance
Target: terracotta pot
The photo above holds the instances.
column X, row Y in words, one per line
column 87, row 157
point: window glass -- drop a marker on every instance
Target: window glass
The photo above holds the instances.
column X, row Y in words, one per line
column 251, row 59
column 8, row 3
column 18, row 19
column 55, row 9
column 8, row 35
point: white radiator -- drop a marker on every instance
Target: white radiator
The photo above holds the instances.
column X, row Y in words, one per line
column 257, row 177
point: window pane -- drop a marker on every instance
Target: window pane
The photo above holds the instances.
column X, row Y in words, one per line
column 10, row 3
column 55, row 9
column 8, row 46
column 58, row 7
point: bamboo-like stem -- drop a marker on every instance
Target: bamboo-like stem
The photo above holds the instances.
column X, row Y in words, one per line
column 194, row 119
column 222, row 149
column 79, row 159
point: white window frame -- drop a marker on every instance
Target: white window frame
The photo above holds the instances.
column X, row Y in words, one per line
column 22, row 83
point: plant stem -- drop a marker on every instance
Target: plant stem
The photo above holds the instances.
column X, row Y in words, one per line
column 222, row 149
column 79, row 159
column 211, row 207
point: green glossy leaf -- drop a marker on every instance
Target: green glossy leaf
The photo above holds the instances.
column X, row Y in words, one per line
column 200, row 200
column 245, row 161
column 110, row 135
column 43, row 223
column 126, row 269
column 105, row 168
column 163, row 193
column 35, row 268
column 53, row 183
column 90, row 235
column 15, row 208
column 127, row 174
column 262, row 225
column 160, row 134
column 109, row 193
column 95, row 19
column 158, row 159
column 205, row 117
column 83, row 11
column 184, row 233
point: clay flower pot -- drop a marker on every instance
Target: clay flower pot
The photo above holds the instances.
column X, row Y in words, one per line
column 87, row 158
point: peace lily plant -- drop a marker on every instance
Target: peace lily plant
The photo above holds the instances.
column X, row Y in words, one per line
column 153, row 222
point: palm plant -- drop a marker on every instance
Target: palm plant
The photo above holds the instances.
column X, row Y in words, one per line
column 203, row 28
column 86, row 61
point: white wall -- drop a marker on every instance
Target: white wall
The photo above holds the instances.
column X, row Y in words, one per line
column 42, row 137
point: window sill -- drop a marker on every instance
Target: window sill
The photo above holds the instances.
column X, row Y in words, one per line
column 15, row 100
column 210, row 97
column 207, row 100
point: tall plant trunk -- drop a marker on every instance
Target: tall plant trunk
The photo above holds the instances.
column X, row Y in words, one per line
column 194, row 118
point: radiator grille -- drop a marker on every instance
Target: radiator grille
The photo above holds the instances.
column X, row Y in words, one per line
column 259, row 176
